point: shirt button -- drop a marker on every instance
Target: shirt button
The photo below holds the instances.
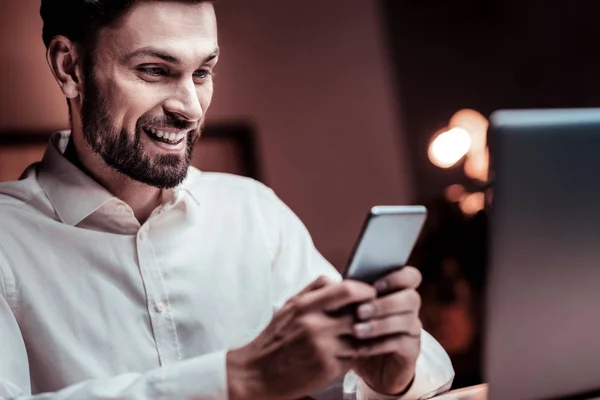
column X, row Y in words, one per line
column 120, row 208
column 143, row 232
column 160, row 307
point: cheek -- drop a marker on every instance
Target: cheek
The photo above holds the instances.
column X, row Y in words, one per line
column 205, row 94
column 130, row 100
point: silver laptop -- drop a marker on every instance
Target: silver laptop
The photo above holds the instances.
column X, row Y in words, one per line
column 542, row 334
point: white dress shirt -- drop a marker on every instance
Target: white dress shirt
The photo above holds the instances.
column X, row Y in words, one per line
column 94, row 305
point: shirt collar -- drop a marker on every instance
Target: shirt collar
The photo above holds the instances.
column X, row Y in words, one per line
column 191, row 185
column 73, row 194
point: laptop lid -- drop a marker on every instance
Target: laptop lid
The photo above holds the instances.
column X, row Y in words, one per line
column 542, row 330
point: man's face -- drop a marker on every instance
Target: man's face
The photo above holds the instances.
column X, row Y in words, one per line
column 147, row 89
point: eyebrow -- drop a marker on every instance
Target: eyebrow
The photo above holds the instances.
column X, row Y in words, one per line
column 163, row 55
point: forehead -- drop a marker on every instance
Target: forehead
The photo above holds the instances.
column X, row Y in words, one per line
column 186, row 30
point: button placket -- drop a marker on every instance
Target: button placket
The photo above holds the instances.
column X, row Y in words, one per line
column 161, row 320
column 143, row 233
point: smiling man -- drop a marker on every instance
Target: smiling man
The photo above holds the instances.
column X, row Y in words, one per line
column 125, row 273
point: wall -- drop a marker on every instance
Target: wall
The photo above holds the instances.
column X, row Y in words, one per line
column 29, row 97
column 313, row 76
column 487, row 55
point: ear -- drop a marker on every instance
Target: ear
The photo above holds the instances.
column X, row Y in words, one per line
column 64, row 60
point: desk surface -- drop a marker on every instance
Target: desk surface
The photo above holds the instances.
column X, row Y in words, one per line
column 478, row 392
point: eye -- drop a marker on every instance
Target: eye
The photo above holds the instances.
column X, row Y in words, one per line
column 203, row 74
column 153, row 71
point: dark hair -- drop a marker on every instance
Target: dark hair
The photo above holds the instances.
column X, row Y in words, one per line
column 80, row 20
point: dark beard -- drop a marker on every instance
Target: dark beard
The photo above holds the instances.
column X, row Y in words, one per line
column 125, row 154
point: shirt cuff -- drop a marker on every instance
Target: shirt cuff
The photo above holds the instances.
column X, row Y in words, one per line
column 203, row 377
column 420, row 389
column 433, row 375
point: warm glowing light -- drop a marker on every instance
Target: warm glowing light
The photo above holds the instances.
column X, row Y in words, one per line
column 473, row 203
column 477, row 165
column 471, row 121
column 449, row 147
column 454, row 193
column 465, row 136
column 477, row 161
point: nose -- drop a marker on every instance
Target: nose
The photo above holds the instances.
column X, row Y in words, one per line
column 184, row 102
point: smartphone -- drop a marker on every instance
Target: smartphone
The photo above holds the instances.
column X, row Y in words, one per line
column 386, row 241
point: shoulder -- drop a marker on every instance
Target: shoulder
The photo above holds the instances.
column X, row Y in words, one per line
column 21, row 194
column 20, row 203
column 213, row 185
column 24, row 208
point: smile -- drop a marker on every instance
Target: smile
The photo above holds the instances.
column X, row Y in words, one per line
column 165, row 137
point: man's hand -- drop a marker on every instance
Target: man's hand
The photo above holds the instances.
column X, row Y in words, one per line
column 390, row 325
column 304, row 347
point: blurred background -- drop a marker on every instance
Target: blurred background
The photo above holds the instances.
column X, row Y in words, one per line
column 341, row 105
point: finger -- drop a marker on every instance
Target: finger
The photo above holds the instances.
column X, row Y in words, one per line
column 405, row 278
column 325, row 325
column 406, row 301
column 290, row 309
column 334, row 297
column 408, row 324
column 406, row 345
column 318, row 283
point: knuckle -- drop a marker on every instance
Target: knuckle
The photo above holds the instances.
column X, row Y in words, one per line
column 414, row 299
column 370, row 292
column 290, row 304
column 305, row 322
column 296, row 305
column 309, row 324
column 390, row 305
column 358, row 290
column 396, row 303
column 346, row 290
column 395, row 325
column 380, row 327
column 415, row 276
column 322, row 281
column 379, row 307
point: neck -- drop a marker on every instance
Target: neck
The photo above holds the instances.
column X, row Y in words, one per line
column 142, row 198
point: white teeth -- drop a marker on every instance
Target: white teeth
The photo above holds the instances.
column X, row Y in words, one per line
column 172, row 137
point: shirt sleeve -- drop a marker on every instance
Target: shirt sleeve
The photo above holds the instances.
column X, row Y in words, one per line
column 433, row 375
column 297, row 263
column 202, row 378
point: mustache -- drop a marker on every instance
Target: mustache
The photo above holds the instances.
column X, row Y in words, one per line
column 167, row 121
